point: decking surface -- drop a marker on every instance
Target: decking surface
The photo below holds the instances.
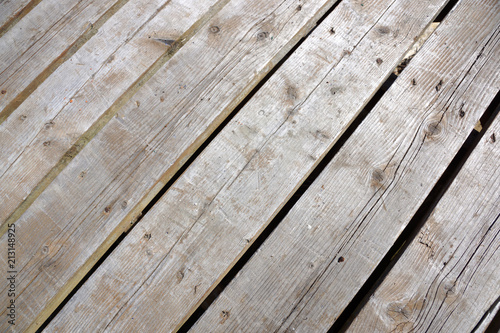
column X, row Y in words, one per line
column 250, row 166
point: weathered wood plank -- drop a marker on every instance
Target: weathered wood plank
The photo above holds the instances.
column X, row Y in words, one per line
column 12, row 11
column 323, row 251
column 42, row 40
column 448, row 277
column 97, row 196
column 182, row 247
column 47, row 130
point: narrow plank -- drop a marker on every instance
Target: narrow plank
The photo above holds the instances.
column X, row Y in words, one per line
column 12, row 11
column 82, row 94
column 101, row 191
column 323, row 251
column 42, row 40
column 166, row 264
column 448, row 277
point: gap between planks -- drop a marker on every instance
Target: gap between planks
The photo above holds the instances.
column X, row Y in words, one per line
column 19, row 84
column 418, row 220
column 321, row 166
column 271, row 54
column 10, row 16
column 137, row 232
column 313, row 298
column 447, row 270
column 87, row 125
column 181, row 170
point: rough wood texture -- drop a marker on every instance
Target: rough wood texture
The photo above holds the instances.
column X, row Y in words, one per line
column 448, row 277
column 12, row 10
column 323, row 251
column 46, row 131
column 102, row 190
column 40, row 41
column 183, row 246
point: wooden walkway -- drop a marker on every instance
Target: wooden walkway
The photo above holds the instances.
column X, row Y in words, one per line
column 250, row 166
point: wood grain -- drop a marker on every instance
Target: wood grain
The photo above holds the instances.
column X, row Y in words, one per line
column 42, row 40
column 318, row 257
column 46, row 131
column 12, row 11
column 448, row 277
column 101, row 192
column 179, row 250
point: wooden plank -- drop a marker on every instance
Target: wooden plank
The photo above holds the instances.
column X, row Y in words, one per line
column 102, row 190
column 166, row 264
column 451, row 268
column 53, row 124
column 42, row 40
column 323, row 251
column 12, row 11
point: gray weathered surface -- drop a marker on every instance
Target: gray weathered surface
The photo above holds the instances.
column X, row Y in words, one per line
column 97, row 196
column 11, row 9
column 323, row 251
column 177, row 252
column 448, row 277
column 41, row 38
column 42, row 135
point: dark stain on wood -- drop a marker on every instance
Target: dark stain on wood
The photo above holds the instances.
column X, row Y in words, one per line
column 224, row 316
column 439, row 85
column 383, row 30
column 377, row 178
column 262, row 35
column 179, row 275
column 291, row 93
column 107, row 209
column 433, row 129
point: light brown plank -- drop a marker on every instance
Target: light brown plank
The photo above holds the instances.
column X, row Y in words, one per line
column 99, row 194
column 43, row 39
column 448, row 277
column 173, row 257
column 41, row 136
column 323, row 251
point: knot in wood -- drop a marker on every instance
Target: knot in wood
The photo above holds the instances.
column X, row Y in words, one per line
column 433, row 129
column 214, row 29
column 377, row 178
column 383, row 30
column 262, row 35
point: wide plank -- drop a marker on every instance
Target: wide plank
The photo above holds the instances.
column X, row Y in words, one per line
column 37, row 44
column 53, row 124
column 178, row 251
column 322, row 252
column 448, row 277
column 103, row 189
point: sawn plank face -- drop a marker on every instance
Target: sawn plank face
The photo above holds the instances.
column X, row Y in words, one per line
column 54, row 123
column 103, row 189
column 189, row 239
column 10, row 10
column 448, row 277
column 40, row 39
column 323, row 251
